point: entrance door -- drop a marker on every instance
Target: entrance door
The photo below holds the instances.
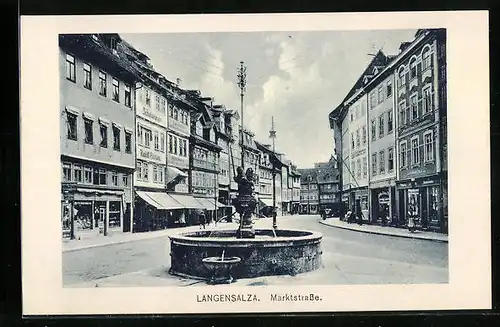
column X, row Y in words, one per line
column 126, row 218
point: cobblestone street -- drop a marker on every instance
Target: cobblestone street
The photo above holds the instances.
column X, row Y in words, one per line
column 349, row 257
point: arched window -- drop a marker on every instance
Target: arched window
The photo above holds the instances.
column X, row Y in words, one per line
column 413, row 67
column 426, row 58
column 401, row 76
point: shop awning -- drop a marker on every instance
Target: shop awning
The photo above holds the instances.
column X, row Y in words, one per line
column 160, row 200
column 266, row 202
column 99, row 191
column 206, row 203
column 174, row 173
column 187, row 201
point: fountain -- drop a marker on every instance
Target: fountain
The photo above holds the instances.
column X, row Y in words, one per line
column 246, row 252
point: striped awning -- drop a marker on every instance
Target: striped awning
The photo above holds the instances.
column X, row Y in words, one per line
column 160, row 200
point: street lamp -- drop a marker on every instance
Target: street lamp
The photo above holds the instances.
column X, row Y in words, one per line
column 272, row 135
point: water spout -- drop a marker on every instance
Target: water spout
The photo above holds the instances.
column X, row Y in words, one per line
column 222, row 256
column 274, row 232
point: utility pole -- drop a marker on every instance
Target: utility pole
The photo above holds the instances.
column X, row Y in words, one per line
column 272, row 135
column 242, row 82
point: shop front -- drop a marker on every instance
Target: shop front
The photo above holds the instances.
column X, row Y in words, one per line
column 86, row 212
column 422, row 199
column 156, row 210
column 383, row 202
column 358, row 201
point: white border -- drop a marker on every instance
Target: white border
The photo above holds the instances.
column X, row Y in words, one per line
column 469, row 252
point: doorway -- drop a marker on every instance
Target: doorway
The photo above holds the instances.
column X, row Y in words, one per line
column 99, row 215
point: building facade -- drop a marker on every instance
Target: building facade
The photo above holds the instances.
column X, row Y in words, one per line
column 382, row 159
column 406, row 134
column 97, row 134
column 421, row 130
column 309, row 191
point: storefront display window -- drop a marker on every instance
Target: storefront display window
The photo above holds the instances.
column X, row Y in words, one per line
column 433, row 203
column 83, row 215
column 413, row 203
column 114, row 214
column 364, row 202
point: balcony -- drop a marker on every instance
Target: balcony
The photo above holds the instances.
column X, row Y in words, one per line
column 426, row 75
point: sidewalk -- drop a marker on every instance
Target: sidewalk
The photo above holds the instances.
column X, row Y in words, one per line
column 391, row 231
column 117, row 238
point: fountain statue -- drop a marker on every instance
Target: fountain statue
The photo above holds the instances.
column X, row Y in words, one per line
column 245, row 202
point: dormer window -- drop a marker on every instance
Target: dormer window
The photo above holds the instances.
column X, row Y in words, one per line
column 112, row 43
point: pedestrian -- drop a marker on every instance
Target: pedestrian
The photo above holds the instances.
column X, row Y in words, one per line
column 411, row 218
column 203, row 220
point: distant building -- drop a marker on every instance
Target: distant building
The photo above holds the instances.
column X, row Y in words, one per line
column 309, row 192
column 97, row 128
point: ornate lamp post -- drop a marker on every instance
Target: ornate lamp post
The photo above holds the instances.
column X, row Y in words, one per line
column 272, row 135
column 245, row 202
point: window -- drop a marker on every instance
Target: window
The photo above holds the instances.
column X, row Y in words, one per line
column 128, row 142
column 114, row 178
column 125, row 180
column 102, row 176
column 352, row 116
column 148, row 97
column 374, row 164
column 116, row 90
column 160, row 174
column 415, row 151
column 389, row 122
column 145, row 172
column 381, row 128
column 374, row 129
column 388, row 89
column 71, row 127
column 170, row 144
column 87, row 76
column 155, row 174
column 390, row 159
column 373, row 100
column 427, row 99
column 380, row 94
column 382, row 161
column 66, row 172
column 139, row 170
column 112, row 43
column 116, row 138
column 357, row 138
column 402, row 154
column 365, row 166
column 156, row 141
column 175, row 145
column 102, row 83
column 363, row 134
column 162, row 142
column 78, row 173
column 87, row 175
column 157, row 103
column 199, row 128
column 426, row 58
column 147, row 137
column 353, row 168
column 428, row 146
column 402, row 112
column 352, row 141
column 414, row 106
column 70, row 68
column 128, row 96
column 413, row 68
column 104, row 136
column 89, row 135
column 185, row 148
column 401, row 77
column 162, row 105
column 358, row 171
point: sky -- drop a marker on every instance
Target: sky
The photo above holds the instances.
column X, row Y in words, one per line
column 296, row 77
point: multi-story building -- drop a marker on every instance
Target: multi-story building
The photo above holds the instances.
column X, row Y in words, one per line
column 420, row 88
column 328, row 185
column 352, row 124
column 265, row 179
column 97, row 134
column 309, row 192
column 381, row 134
column 151, row 159
column 204, row 158
column 406, row 141
column 295, row 175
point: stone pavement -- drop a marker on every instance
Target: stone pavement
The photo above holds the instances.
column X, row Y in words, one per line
column 387, row 230
column 117, row 238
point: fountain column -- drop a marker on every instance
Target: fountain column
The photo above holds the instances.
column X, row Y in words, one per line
column 245, row 202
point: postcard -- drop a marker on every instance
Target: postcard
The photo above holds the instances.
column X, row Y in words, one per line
column 265, row 163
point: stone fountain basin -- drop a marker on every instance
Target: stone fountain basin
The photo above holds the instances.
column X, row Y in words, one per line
column 291, row 252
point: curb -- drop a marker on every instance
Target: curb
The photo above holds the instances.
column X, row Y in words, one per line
column 380, row 233
column 111, row 243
